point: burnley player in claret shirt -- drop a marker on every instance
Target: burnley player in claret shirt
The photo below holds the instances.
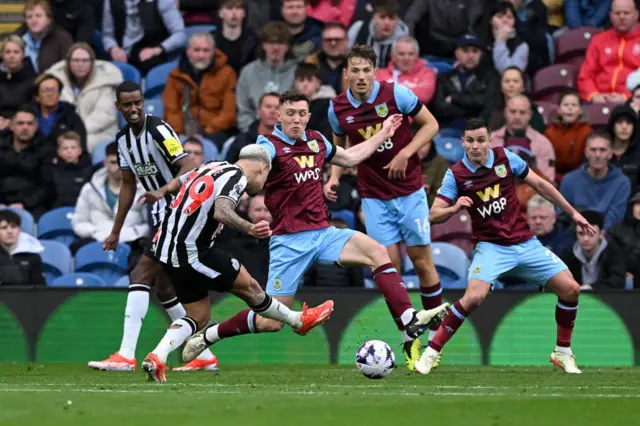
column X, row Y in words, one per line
column 390, row 182
column 483, row 182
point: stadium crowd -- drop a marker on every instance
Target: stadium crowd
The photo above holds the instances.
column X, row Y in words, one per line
column 557, row 81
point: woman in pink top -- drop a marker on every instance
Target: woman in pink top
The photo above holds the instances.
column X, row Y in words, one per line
column 332, row 10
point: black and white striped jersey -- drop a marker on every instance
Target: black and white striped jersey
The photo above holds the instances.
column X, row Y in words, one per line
column 188, row 229
column 151, row 156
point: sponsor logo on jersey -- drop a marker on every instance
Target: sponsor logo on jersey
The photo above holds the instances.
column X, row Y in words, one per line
column 142, row 170
column 173, row 146
column 313, row 146
column 501, row 170
column 370, row 131
column 382, row 110
column 496, row 206
column 305, row 161
column 489, row 192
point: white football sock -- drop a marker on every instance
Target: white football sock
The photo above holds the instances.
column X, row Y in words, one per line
column 279, row 312
column 178, row 333
column 212, row 334
column 564, row 350
column 407, row 316
column 134, row 313
column 174, row 309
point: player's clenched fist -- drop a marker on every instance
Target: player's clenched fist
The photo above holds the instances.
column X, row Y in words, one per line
column 391, row 124
column 330, row 189
column 260, row 229
column 463, row 202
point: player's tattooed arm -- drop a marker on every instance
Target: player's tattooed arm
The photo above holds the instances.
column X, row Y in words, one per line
column 225, row 213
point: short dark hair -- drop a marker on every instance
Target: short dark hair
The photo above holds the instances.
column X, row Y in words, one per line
column 594, row 218
column 598, row 134
column 569, row 91
column 44, row 77
column 275, row 32
column 475, row 124
column 331, row 25
column 194, row 140
column 112, row 149
column 307, row 71
column 386, row 7
column 127, row 86
column 362, row 51
column 292, row 96
column 11, row 217
column 230, row 4
column 26, row 108
column 274, row 94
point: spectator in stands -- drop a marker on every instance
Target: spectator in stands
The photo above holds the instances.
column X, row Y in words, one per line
column 98, row 203
column 555, row 9
column 273, row 71
column 267, row 119
column 406, row 68
column 76, row 17
column 512, row 83
column 518, row 129
column 328, row 11
column 532, row 27
column 69, row 170
column 20, row 261
column 305, row 32
column 90, row 85
column 54, row 116
column 199, row 98
column 23, row 155
column 508, row 48
column 541, row 217
column 568, row 133
column 16, row 78
column 234, row 38
column 308, row 82
column 437, row 24
column 611, row 57
column 593, row 261
column 194, row 149
column 381, row 31
column 142, row 33
column 597, row 185
column 461, row 93
column 347, row 195
column 586, row 13
column 624, row 135
column 434, row 168
column 634, row 100
column 332, row 56
column 626, row 236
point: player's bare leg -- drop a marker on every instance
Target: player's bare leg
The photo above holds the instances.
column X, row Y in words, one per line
column 475, row 294
column 568, row 291
column 265, row 310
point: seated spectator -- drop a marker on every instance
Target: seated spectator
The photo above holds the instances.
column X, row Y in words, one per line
column 97, row 205
column 518, row 130
column 381, row 31
column 408, row 69
column 76, row 17
column 461, row 93
column 597, row 185
column 594, row 262
column 586, row 13
column 45, row 42
column 16, row 78
column 308, row 83
column 305, row 32
column 199, row 98
column 90, row 85
column 332, row 56
column 507, row 46
column 54, row 116
column 568, row 133
column 601, row 70
column 433, row 169
column 347, row 195
column 532, row 27
column 512, row 83
column 70, row 169
column 23, row 157
column 271, row 72
column 143, row 34
column 20, row 261
column 634, row 100
column 555, row 9
column 622, row 129
column 234, row 38
column 264, row 125
column 328, row 11
column 194, row 149
column 626, row 236
column 541, row 217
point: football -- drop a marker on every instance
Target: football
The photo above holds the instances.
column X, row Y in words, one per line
column 375, row 359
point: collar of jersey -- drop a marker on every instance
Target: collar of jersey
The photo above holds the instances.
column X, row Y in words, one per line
column 372, row 96
column 473, row 168
column 277, row 130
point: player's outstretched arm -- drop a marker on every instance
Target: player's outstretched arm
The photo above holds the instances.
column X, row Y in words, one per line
column 151, row 197
column 125, row 201
column 358, row 153
column 225, row 213
column 440, row 212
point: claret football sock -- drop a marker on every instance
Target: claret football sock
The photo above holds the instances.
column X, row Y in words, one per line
column 454, row 319
column 566, row 313
column 134, row 313
column 431, row 298
column 390, row 284
column 241, row 323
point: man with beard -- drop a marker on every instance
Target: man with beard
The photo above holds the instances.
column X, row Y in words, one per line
column 330, row 59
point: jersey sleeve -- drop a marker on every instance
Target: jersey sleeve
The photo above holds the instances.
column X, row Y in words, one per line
column 169, row 143
column 267, row 145
column 122, row 162
column 328, row 155
column 233, row 183
column 333, row 121
column 517, row 164
column 449, row 190
column 407, row 101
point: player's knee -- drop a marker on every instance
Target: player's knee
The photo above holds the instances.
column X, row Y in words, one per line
column 378, row 255
column 422, row 266
column 572, row 291
column 473, row 300
column 144, row 272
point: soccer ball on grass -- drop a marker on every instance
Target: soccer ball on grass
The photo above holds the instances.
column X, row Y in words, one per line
column 375, row 359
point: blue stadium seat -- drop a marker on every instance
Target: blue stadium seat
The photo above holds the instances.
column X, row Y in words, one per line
column 78, row 280
column 56, row 259
column 450, row 131
column 110, row 266
column 199, row 29
column 122, row 282
column 157, row 79
column 154, row 107
column 226, row 147
column 449, row 147
column 56, row 225
column 451, row 263
column 27, row 222
column 100, row 153
column 129, row 72
column 440, row 67
column 347, row 215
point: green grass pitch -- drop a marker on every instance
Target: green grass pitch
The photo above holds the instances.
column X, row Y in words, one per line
column 71, row 394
